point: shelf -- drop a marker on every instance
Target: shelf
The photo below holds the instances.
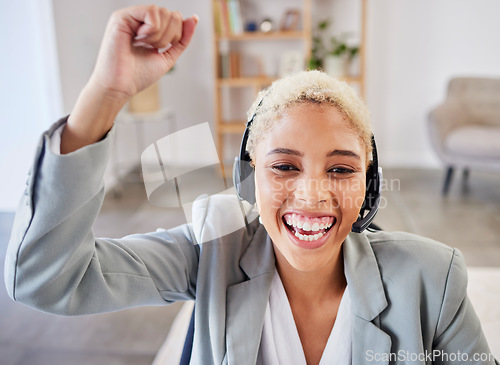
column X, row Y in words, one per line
column 351, row 78
column 243, row 44
column 256, row 81
column 233, row 127
column 249, row 36
column 259, row 81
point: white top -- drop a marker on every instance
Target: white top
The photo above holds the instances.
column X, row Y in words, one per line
column 280, row 342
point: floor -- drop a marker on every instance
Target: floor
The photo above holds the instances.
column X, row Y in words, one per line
column 468, row 218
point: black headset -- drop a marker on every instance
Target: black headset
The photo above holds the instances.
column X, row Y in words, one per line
column 244, row 183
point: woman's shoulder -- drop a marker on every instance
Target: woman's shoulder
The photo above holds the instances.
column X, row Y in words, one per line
column 215, row 216
column 409, row 245
column 403, row 255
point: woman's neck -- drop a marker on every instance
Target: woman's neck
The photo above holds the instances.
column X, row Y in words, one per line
column 324, row 284
column 314, row 298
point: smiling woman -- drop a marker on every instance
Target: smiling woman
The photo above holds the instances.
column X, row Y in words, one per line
column 299, row 282
column 303, row 183
column 297, row 173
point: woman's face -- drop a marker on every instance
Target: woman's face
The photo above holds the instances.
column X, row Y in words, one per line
column 310, row 184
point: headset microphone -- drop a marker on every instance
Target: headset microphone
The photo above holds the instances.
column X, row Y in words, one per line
column 372, row 195
column 244, row 183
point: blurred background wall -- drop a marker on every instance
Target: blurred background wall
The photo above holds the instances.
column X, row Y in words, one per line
column 413, row 48
column 30, row 89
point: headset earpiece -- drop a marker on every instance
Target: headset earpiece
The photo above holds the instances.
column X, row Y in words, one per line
column 243, row 173
column 372, row 195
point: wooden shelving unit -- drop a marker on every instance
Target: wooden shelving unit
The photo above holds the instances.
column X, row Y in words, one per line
column 256, row 83
column 251, row 36
column 303, row 36
column 362, row 52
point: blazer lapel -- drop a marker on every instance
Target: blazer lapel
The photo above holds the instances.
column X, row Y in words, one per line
column 247, row 301
column 370, row 345
column 369, row 342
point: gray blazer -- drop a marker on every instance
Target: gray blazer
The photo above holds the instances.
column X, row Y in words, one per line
column 408, row 293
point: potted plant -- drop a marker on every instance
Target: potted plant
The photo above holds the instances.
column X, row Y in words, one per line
column 334, row 62
column 318, row 48
column 334, row 58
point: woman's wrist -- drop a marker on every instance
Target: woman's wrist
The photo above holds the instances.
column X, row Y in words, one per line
column 92, row 117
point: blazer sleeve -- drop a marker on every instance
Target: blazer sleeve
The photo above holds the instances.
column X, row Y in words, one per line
column 54, row 263
column 459, row 337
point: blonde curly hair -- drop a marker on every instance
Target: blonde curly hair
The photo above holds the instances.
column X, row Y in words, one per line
column 307, row 87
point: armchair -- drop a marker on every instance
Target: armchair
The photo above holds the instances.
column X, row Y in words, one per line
column 465, row 128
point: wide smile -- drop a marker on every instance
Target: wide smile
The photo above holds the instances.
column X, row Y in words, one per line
column 308, row 232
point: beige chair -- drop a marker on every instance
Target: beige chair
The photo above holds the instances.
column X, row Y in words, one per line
column 465, row 128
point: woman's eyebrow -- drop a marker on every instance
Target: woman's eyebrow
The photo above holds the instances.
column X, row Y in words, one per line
column 347, row 153
column 289, row 151
column 284, row 151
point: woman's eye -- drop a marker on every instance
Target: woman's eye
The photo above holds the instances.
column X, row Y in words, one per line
column 284, row 168
column 341, row 170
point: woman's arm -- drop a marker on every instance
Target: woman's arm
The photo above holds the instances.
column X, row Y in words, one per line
column 53, row 261
column 128, row 62
column 55, row 264
column 459, row 337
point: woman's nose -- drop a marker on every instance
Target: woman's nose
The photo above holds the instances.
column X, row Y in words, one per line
column 313, row 190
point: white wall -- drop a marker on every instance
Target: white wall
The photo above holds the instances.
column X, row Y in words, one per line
column 79, row 29
column 414, row 48
column 30, row 99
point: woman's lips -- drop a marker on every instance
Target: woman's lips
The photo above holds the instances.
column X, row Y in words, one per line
column 308, row 229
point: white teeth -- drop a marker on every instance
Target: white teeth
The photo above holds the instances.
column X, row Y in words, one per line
column 310, row 237
column 308, row 225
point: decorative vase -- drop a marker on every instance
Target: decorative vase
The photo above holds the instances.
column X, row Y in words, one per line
column 354, row 66
column 334, row 66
